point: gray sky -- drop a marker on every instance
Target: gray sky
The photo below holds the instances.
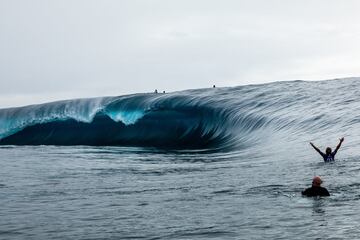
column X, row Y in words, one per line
column 52, row 50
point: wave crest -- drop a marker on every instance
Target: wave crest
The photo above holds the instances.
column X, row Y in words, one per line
column 202, row 119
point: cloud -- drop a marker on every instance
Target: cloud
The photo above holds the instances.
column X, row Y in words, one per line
column 90, row 48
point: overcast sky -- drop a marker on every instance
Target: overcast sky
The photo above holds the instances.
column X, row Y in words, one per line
column 52, row 50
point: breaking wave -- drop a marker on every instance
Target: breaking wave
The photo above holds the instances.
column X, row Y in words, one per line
column 215, row 118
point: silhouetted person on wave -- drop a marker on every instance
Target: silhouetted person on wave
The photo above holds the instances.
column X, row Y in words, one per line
column 316, row 189
column 328, row 156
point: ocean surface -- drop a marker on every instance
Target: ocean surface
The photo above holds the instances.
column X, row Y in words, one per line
column 217, row 163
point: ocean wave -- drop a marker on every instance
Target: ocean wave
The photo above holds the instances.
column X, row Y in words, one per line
column 196, row 119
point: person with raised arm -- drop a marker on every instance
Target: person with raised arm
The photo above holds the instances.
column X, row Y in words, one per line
column 329, row 155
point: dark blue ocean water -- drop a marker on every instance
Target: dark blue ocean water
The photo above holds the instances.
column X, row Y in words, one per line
column 223, row 163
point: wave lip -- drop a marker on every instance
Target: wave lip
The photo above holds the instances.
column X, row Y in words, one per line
column 128, row 117
column 135, row 120
column 179, row 130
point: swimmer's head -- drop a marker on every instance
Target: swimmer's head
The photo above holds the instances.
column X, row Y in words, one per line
column 328, row 150
column 316, row 181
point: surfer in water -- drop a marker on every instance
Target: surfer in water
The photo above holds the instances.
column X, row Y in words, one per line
column 329, row 155
column 316, row 189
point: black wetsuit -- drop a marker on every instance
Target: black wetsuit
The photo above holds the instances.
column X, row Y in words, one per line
column 315, row 191
column 329, row 157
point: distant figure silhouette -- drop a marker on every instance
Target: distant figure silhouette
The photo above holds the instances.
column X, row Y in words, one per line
column 163, row 91
column 328, row 156
column 316, row 189
column 213, row 86
column 155, row 91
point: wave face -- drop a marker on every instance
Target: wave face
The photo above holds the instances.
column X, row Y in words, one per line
column 216, row 118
